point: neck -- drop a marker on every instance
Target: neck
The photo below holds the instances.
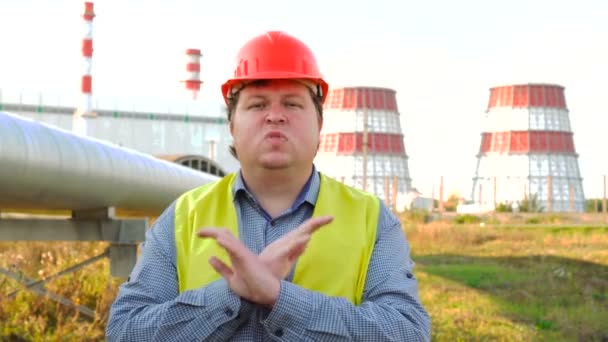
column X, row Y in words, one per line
column 276, row 190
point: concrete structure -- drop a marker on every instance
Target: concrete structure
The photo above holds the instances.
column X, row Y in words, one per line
column 362, row 142
column 527, row 150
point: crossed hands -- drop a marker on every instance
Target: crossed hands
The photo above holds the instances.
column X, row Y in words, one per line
column 258, row 278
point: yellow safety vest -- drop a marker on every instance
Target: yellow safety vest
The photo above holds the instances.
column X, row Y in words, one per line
column 337, row 257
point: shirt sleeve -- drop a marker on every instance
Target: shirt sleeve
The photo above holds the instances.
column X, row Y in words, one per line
column 390, row 309
column 149, row 306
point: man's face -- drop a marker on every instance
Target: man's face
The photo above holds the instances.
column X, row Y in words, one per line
column 275, row 125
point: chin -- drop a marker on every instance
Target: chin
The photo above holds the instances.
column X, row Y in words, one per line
column 275, row 166
column 275, row 163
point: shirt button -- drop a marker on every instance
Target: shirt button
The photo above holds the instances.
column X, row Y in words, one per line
column 278, row 332
column 229, row 312
column 409, row 275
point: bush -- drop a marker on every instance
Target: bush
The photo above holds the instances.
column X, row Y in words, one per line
column 530, row 205
column 594, row 205
column 533, row 220
column 467, row 219
column 506, row 207
column 416, row 216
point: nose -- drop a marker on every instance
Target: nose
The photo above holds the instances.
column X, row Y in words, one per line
column 275, row 115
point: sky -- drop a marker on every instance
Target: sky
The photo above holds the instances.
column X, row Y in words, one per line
column 441, row 57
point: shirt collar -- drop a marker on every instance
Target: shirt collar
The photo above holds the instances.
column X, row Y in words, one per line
column 309, row 191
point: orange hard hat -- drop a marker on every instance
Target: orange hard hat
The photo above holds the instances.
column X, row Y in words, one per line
column 275, row 55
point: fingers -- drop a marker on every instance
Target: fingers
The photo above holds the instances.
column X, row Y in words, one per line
column 313, row 224
column 294, row 242
column 298, row 247
column 213, row 232
column 233, row 246
column 220, row 267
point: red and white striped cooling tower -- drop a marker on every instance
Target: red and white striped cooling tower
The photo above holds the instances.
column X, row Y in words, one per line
column 527, row 149
column 343, row 151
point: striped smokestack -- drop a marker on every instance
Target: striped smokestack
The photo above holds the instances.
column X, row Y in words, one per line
column 86, row 107
column 193, row 71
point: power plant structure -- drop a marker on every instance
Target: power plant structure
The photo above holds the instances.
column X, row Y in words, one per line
column 82, row 173
column 85, row 109
column 193, row 71
column 527, row 151
column 361, row 142
column 196, row 136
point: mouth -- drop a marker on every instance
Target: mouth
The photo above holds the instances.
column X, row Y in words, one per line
column 275, row 135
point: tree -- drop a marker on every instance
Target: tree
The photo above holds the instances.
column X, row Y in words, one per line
column 452, row 203
column 593, row 205
column 530, row 204
column 505, row 207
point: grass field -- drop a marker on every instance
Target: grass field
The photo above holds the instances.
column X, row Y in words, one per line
column 511, row 283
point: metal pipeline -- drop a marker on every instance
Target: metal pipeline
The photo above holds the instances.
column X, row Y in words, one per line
column 45, row 167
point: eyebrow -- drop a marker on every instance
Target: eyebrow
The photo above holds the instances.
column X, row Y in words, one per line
column 264, row 96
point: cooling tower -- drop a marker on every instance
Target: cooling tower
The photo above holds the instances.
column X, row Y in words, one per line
column 527, row 150
column 347, row 143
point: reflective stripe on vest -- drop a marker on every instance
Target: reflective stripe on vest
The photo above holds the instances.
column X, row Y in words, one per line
column 337, row 257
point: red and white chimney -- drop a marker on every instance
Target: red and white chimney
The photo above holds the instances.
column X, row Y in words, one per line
column 193, row 71
column 86, row 106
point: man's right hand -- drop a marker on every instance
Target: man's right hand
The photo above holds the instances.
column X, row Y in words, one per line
column 280, row 255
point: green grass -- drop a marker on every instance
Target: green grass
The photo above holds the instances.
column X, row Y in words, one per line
column 545, row 284
column 475, row 275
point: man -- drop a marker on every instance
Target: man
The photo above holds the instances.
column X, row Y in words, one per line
column 277, row 251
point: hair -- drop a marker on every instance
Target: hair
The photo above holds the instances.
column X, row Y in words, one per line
column 233, row 100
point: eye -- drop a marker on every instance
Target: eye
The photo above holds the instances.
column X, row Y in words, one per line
column 292, row 104
column 256, row 105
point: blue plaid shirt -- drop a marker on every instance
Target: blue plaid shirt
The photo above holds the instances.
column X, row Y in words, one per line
column 150, row 307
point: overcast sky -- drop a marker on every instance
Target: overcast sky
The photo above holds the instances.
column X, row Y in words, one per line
column 440, row 56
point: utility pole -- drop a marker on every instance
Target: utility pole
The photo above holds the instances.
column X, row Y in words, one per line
column 394, row 195
column 212, row 150
column 440, row 204
column 387, row 195
column 494, row 195
column 364, row 154
column 549, row 194
column 604, row 198
column 571, row 191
